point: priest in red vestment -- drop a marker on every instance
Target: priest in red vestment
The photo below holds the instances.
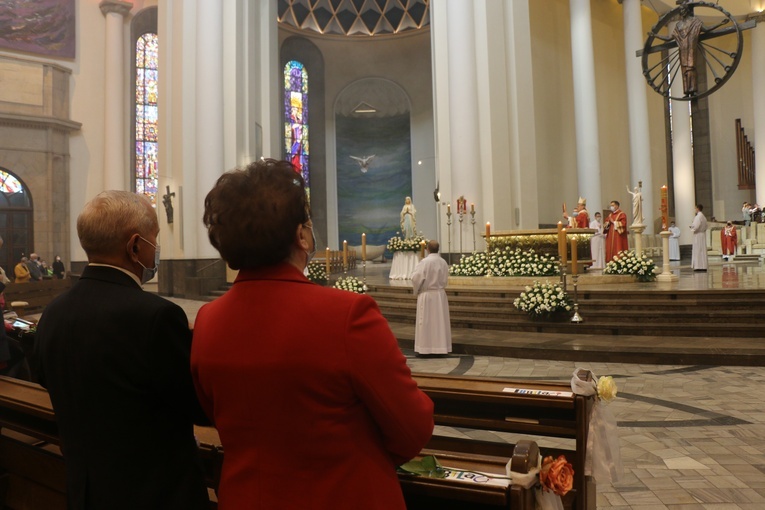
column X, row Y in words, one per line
column 580, row 218
column 729, row 240
column 615, row 229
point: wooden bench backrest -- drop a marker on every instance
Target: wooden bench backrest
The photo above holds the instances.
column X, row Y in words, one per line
column 536, row 408
column 37, row 294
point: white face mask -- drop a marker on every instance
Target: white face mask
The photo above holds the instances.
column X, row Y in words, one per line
column 150, row 272
column 613, row 208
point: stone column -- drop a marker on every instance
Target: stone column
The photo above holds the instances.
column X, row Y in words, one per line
column 115, row 171
column 683, row 173
column 585, row 104
column 758, row 103
column 209, row 109
column 637, row 102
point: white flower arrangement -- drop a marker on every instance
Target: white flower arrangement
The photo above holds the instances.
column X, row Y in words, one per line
column 351, row 284
column 317, row 272
column 541, row 300
column 629, row 263
column 506, row 262
column 396, row 243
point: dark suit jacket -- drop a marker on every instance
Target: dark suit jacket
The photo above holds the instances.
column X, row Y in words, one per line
column 115, row 360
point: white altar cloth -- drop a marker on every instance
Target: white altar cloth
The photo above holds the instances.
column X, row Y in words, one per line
column 403, row 265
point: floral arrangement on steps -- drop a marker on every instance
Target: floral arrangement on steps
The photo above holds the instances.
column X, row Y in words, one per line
column 350, row 283
column 543, row 300
column 629, row 263
column 317, row 272
column 506, row 261
column 396, row 243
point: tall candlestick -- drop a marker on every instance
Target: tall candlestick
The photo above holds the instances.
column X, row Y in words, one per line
column 363, row 247
column 488, row 231
column 326, row 261
column 573, row 256
column 345, row 254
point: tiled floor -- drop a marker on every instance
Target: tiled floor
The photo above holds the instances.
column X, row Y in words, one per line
column 692, row 437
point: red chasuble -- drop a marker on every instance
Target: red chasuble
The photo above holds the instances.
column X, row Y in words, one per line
column 616, row 237
column 729, row 239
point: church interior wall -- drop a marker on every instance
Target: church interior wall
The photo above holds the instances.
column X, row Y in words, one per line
column 732, row 101
column 405, row 60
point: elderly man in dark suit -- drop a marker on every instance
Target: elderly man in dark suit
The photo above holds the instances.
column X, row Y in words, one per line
column 115, row 360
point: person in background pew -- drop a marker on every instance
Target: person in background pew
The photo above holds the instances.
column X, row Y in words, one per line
column 312, row 398
column 21, row 271
column 115, row 360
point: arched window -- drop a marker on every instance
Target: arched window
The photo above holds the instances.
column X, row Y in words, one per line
column 296, row 118
column 15, row 220
column 146, row 169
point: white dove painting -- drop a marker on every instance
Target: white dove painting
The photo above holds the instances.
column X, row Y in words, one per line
column 363, row 162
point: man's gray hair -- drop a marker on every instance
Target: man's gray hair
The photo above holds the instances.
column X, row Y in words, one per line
column 107, row 222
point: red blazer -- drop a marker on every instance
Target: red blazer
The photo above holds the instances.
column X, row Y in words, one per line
column 312, row 398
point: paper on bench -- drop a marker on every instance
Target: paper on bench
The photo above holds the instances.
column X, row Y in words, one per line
column 476, row 477
column 530, row 391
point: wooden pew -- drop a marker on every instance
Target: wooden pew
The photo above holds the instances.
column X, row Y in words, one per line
column 30, row 461
column 37, row 294
column 483, row 404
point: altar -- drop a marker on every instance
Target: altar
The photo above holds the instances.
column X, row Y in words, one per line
column 545, row 241
column 403, row 265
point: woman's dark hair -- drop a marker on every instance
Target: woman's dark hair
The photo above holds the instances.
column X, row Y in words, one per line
column 251, row 213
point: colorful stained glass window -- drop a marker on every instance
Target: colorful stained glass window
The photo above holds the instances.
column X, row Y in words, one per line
column 146, row 136
column 9, row 184
column 296, row 118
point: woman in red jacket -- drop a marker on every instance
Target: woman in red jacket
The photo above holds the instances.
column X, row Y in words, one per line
column 306, row 385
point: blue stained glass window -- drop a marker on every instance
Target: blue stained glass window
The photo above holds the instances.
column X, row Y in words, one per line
column 296, row 118
column 146, row 113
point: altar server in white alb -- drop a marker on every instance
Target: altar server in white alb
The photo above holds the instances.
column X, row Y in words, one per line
column 433, row 332
column 597, row 243
column 699, row 228
column 674, row 241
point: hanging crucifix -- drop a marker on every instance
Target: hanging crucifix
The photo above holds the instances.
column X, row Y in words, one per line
column 167, row 201
column 693, row 37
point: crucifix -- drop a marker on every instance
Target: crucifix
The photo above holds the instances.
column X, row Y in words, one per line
column 167, row 201
column 690, row 46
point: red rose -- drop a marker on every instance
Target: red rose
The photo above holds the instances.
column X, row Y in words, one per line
column 557, row 475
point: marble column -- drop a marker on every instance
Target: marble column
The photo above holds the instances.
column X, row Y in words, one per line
column 637, row 103
column 585, row 105
column 209, row 109
column 116, row 175
column 457, row 123
column 684, row 176
column 758, row 103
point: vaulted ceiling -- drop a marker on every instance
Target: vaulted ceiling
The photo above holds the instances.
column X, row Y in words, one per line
column 355, row 17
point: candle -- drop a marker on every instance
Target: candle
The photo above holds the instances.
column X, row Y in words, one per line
column 564, row 255
column 448, row 208
column 573, row 256
column 664, row 208
column 364, row 247
column 422, row 249
column 345, row 254
column 326, row 262
column 561, row 241
column 560, row 227
column 472, row 208
column 488, row 231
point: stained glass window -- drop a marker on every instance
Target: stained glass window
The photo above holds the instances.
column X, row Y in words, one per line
column 146, row 170
column 9, row 184
column 296, row 118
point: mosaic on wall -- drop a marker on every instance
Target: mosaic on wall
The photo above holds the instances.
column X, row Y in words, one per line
column 45, row 27
column 370, row 194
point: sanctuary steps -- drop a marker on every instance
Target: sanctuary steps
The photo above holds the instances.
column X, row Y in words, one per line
column 708, row 313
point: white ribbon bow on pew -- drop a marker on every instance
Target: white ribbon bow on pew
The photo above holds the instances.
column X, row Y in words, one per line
column 545, row 500
column 603, row 461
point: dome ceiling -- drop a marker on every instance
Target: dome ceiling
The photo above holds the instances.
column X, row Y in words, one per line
column 355, row 17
